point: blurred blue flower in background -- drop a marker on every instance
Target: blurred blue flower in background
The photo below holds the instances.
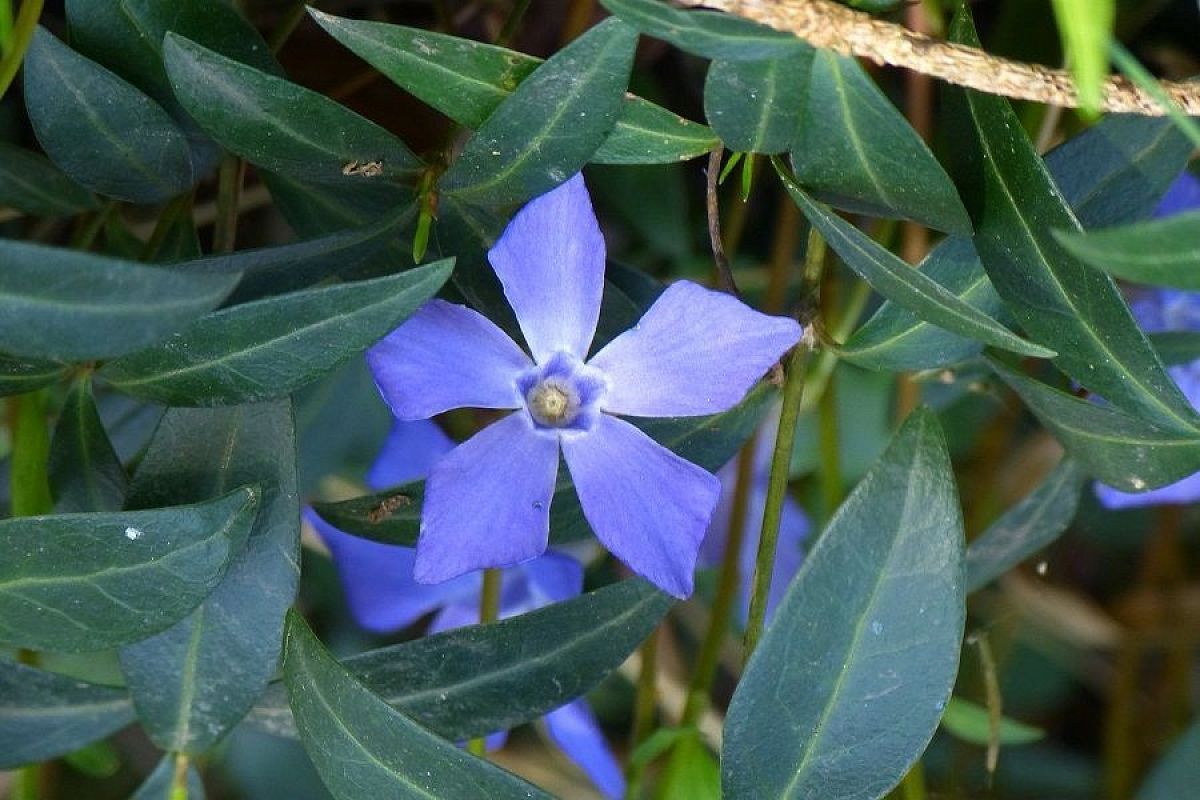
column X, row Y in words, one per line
column 694, row 352
column 1158, row 310
column 383, row 597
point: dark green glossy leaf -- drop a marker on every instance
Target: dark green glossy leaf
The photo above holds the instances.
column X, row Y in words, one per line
column 85, row 473
column 279, row 125
column 551, row 124
column 705, row 33
column 855, row 150
column 1177, row 347
column 77, row 582
column 160, row 783
column 1120, row 449
column 20, row 375
column 900, row 283
column 196, row 680
column 74, row 306
column 755, row 106
column 1113, row 172
column 885, row 578
column 1176, row 773
column 394, row 516
column 362, row 747
column 467, row 81
column 1027, row 527
column 269, row 348
column 44, row 715
column 101, row 131
column 1162, row 252
column 1056, row 298
column 30, row 183
column 972, row 723
column 480, row 679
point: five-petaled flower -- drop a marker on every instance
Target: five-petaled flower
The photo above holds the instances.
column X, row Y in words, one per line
column 487, row 503
column 1158, row 310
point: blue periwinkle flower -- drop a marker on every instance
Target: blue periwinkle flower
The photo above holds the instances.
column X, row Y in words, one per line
column 487, row 502
column 1158, row 310
column 383, row 597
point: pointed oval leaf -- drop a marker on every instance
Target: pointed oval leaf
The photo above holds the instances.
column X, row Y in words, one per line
column 885, row 578
column 75, row 306
column 1162, row 252
column 101, row 131
column 1059, row 300
column 30, row 183
column 705, row 33
column 1124, row 451
column 280, row 125
column 477, row 680
column 467, row 81
column 1112, row 173
column 20, row 375
column 44, row 715
column 856, row 151
column 85, row 472
column 551, row 124
column 755, row 106
column 362, row 747
column 394, row 516
column 270, row 348
column 197, row 679
column 972, row 723
column 159, row 784
column 76, row 582
column 897, row 281
column 1027, row 527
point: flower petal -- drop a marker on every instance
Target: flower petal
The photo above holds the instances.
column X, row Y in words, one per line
column 575, row 730
column 1184, row 195
column 694, row 352
column 648, row 506
column 411, row 449
column 550, row 579
column 550, row 260
column 446, row 356
column 487, row 503
column 1180, row 493
column 377, row 579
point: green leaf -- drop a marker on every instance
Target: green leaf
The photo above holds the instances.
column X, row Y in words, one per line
column 705, row 33
column 30, row 183
column 1161, row 252
column 20, row 375
column 160, row 783
column 101, row 131
column 692, row 773
column 910, row 288
column 44, row 715
column 1057, row 299
column 855, row 151
column 279, row 125
column 196, row 680
column 971, row 723
column 85, row 473
column 394, row 516
column 77, row 582
column 1086, row 27
column 96, row 760
column 551, row 124
column 480, row 679
column 269, row 348
column 885, row 578
column 1027, row 527
column 1113, row 172
column 1128, row 452
column 362, row 747
column 755, row 106
column 75, row 306
column 1175, row 774
column 467, row 81
column 1177, row 347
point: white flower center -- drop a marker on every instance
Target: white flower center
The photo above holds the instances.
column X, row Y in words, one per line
column 552, row 403
column 562, row 393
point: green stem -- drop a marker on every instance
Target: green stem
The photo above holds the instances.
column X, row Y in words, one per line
column 822, row 369
column 489, row 611
column 912, row 787
column 179, row 780
column 645, row 709
column 29, row 485
column 91, row 226
column 229, row 191
column 6, row 22
column 512, row 23
column 169, row 216
column 829, row 465
column 287, row 25
column 19, row 39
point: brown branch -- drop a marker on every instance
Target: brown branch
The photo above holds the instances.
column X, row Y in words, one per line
column 831, row 26
column 713, row 207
